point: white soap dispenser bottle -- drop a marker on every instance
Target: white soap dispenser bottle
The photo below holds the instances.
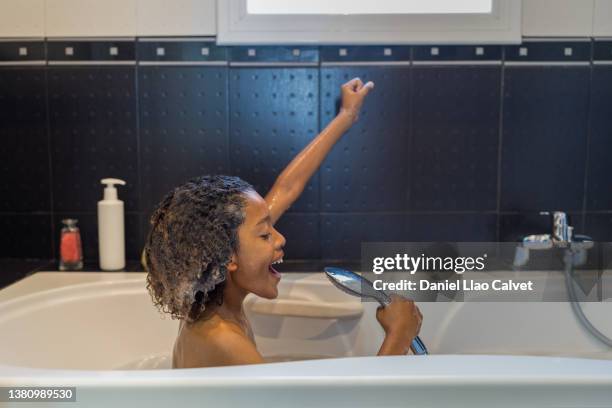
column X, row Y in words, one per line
column 111, row 229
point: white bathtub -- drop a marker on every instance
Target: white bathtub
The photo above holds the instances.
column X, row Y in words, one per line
column 100, row 333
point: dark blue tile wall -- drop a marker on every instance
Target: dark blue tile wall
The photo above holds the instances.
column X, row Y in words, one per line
column 342, row 234
column 183, row 127
column 455, row 138
column 26, row 235
column 459, row 143
column 24, row 150
column 452, row 227
column 368, row 168
column 92, row 124
column 545, row 138
column 273, row 116
column 599, row 183
column 302, row 232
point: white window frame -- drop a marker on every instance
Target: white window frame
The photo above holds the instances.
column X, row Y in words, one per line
column 236, row 26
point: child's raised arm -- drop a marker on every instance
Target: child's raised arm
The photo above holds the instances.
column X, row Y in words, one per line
column 291, row 182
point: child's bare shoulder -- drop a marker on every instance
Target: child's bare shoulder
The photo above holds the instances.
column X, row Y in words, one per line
column 216, row 342
column 220, row 334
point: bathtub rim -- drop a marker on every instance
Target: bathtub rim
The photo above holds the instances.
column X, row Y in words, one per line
column 440, row 369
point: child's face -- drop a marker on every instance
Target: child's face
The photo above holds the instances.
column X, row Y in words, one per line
column 259, row 245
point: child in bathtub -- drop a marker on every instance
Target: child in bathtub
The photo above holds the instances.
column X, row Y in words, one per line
column 213, row 241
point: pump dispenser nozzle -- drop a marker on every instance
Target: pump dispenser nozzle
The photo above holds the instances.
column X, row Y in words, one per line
column 110, row 192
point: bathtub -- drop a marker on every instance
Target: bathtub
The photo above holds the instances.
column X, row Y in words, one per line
column 100, row 333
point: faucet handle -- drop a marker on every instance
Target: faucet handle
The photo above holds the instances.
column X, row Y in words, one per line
column 561, row 230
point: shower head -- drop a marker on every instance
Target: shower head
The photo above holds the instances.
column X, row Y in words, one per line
column 356, row 285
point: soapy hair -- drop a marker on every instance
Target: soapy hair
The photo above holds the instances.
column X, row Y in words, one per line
column 193, row 233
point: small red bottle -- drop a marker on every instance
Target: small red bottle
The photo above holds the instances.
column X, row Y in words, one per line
column 71, row 251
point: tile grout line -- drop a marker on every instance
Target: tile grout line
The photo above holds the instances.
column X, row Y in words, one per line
column 587, row 158
column 228, row 121
column 500, row 140
column 138, row 151
column 410, row 154
column 53, row 231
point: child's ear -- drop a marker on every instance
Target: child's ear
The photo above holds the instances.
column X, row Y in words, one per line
column 232, row 265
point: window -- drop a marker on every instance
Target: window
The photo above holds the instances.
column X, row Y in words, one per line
column 368, row 7
column 368, row 21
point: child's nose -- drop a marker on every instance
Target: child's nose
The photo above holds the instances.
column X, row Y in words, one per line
column 280, row 239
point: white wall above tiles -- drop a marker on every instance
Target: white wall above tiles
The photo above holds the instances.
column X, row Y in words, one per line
column 602, row 21
column 549, row 18
column 177, row 17
column 91, row 18
column 22, row 18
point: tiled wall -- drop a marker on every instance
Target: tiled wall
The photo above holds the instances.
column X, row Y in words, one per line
column 459, row 143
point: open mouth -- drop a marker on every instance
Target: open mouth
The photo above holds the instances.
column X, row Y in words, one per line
column 273, row 270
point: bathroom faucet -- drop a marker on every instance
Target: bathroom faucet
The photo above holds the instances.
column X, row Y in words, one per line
column 562, row 236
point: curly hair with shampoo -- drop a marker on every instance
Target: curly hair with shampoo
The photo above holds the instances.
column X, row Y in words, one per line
column 193, row 234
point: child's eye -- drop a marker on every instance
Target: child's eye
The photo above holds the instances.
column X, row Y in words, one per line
column 266, row 236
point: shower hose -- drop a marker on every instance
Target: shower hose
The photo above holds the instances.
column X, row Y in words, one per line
column 571, row 290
